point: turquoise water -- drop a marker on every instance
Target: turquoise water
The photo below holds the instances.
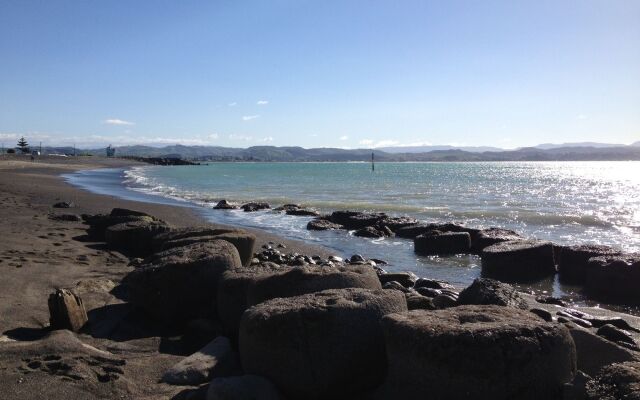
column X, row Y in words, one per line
column 566, row 202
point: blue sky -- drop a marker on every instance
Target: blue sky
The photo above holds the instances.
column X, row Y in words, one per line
column 320, row 73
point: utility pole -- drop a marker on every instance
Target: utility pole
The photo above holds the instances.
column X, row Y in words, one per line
column 40, row 148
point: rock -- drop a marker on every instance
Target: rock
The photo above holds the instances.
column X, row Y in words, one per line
column 577, row 389
column 614, row 278
column 614, row 334
column 373, row 232
column 245, row 387
column 544, row 314
column 65, row 217
column 594, row 352
column 393, row 285
column 124, row 212
column 418, row 302
column 573, row 260
column 243, row 241
column 180, row 284
column 518, row 261
column 254, row 206
column 224, row 205
column 232, row 293
column 356, row 219
column 356, row 258
column 483, row 352
column 491, row 236
column 336, row 259
column 322, row 224
column 485, row 291
column 302, row 212
column 395, row 223
column 308, row 279
column 615, row 321
column 134, row 238
column 411, row 231
column 616, row 382
column 445, row 300
column 319, row 346
column 576, row 320
column 64, row 204
column 198, row 333
column 99, row 223
column 432, row 283
column 437, row 242
column 406, row 279
column 66, row 311
column 551, row 300
column 214, row 360
column 428, row 292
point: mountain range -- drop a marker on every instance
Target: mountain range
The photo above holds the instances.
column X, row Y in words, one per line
column 545, row 152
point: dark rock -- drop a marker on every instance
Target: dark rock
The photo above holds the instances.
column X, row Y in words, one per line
column 224, row 205
column 356, row 258
column 573, row 261
column 614, row 334
column 373, row 232
column 594, row 352
column 99, row 223
column 302, row 212
column 491, row 236
column 616, row 382
column 323, row 345
column 395, row 223
column 66, row 310
column 64, row 204
column 614, row 278
column 180, row 284
column 615, row 321
column 577, row 389
column 355, row 219
column 518, row 261
column 418, row 302
column 393, row 285
column 411, row 231
column 322, row 224
column 254, row 206
column 445, row 300
column 124, row 212
column 485, row 291
column 551, row 300
column 378, row 261
column 245, row 387
column 544, row 314
column 406, row 279
column 483, row 352
column 432, row 283
column 428, row 292
column 308, row 279
column 65, row 217
column 437, row 242
column 576, row 320
column 134, row 238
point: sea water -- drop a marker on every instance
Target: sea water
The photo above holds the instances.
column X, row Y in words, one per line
column 565, row 202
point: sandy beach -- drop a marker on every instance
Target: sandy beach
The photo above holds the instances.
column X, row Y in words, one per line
column 39, row 255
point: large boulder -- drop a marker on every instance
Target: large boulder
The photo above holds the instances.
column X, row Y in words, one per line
column 254, row 206
column 594, row 352
column 245, row 387
column 66, row 310
column 573, row 261
column 322, row 224
column 216, row 359
column 437, row 242
column 483, row 352
column 180, row 284
column 243, row 241
column 98, row 223
column 491, row 236
column 311, row 278
column 374, row 232
column 134, row 238
column 411, row 231
column 224, row 205
column 356, row 219
column 614, row 278
column 616, row 382
column 395, row 223
column 519, row 261
column 232, row 293
column 322, row 345
column 484, row 291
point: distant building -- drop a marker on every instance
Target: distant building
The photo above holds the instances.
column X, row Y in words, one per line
column 111, row 151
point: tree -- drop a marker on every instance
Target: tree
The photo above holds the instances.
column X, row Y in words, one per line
column 23, row 145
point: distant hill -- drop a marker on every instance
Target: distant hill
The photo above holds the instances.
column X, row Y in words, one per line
column 426, row 149
column 549, row 146
column 636, row 144
column 575, row 152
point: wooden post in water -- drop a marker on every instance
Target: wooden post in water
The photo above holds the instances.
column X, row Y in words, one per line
column 373, row 166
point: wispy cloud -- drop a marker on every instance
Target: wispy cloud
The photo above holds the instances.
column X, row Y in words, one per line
column 116, row 121
column 365, row 142
column 245, row 138
column 267, row 139
column 232, row 104
column 262, row 102
column 249, row 117
column 213, row 136
column 345, row 137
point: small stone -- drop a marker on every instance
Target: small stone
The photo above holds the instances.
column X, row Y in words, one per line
column 66, row 310
column 614, row 334
column 544, row 314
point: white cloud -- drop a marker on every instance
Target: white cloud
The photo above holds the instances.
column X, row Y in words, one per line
column 365, row 142
column 232, row 104
column 268, row 139
column 345, row 137
column 249, row 117
column 213, row 136
column 262, row 102
column 115, row 121
column 246, row 138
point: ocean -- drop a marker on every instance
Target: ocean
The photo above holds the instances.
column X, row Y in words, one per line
column 565, row 202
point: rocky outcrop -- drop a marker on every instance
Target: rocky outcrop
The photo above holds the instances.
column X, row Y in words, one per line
column 322, row 224
column 615, row 382
column 484, row 291
column 356, row 219
column 374, row 232
column 573, row 261
column 134, row 238
column 180, row 284
column 224, row 205
column 395, row 223
column 594, row 352
column 484, row 352
column 319, row 346
column 66, row 310
column 245, row 387
column 491, row 236
column 216, row 359
column 614, row 278
column 254, row 206
column 518, row 261
column 437, row 242
column 308, row 279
